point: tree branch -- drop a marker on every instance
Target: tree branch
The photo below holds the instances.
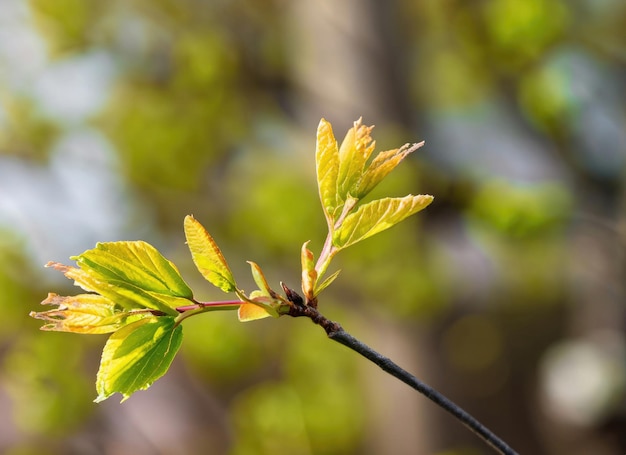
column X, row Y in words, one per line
column 336, row 333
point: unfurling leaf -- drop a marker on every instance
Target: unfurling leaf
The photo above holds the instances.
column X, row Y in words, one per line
column 259, row 279
column 354, row 152
column 137, row 355
column 251, row 312
column 319, row 288
column 84, row 313
column 377, row 216
column 207, row 256
column 382, row 165
column 309, row 274
column 327, row 168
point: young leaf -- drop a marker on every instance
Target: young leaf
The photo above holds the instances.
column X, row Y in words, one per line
column 269, row 304
column 382, row 165
column 137, row 355
column 354, row 152
column 327, row 167
column 84, row 313
column 319, row 288
column 377, row 216
column 259, row 279
column 207, row 256
column 309, row 274
column 251, row 312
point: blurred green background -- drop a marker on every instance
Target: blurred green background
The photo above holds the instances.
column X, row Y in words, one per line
column 118, row 118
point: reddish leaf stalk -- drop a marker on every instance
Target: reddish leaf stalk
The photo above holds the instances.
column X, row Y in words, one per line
column 200, row 305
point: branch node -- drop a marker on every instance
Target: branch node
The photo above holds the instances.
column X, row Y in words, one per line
column 292, row 296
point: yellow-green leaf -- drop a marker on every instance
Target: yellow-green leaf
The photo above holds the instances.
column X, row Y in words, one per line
column 137, row 355
column 327, row 167
column 134, row 275
column 382, row 165
column 377, row 216
column 84, row 313
column 259, row 279
column 309, row 274
column 207, row 256
column 354, row 152
column 134, row 262
column 320, row 287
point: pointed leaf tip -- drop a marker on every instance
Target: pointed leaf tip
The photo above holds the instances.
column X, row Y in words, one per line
column 309, row 274
column 354, row 153
column 327, row 167
column 260, row 280
column 382, row 165
column 378, row 216
column 207, row 256
column 84, row 313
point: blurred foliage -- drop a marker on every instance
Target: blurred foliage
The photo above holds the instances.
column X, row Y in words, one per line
column 324, row 417
column 521, row 211
column 34, row 373
column 14, row 282
column 34, row 370
column 260, row 223
column 67, row 23
column 206, row 116
column 26, row 132
column 187, row 113
column 520, row 33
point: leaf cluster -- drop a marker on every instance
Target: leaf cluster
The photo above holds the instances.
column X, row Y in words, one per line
column 347, row 173
column 133, row 292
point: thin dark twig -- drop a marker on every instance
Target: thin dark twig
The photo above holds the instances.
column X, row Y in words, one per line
column 336, row 333
column 392, row 368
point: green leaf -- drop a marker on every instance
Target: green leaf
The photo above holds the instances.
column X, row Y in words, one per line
column 381, row 166
column 327, row 167
column 309, row 274
column 134, row 275
column 377, row 216
column 319, row 288
column 259, row 279
column 354, row 152
column 207, row 256
column 137, row 355
column 135, row 262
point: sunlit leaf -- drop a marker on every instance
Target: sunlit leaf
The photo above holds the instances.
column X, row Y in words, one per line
column 382, row 165
column 137, row 355
column 84, row 313
column 251, row 312
column 377, row 216
column 354, row 152
column 327, row 167
column 207, row 256
column 319, row 288
column 309, row 274
column 134, row 275
column 135, row 262
column 259, row 279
